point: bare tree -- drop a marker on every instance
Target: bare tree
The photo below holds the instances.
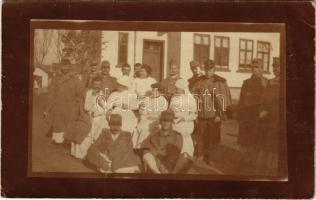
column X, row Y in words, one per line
column 42, row 43
column 58, row 44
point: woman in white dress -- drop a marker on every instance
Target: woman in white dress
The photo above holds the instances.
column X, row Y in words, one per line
column 184, row 105
column 142, row 84
column 150, row 109
column 123, row 101
column 94, row 105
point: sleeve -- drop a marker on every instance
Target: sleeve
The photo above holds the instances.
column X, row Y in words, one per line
column 243, row 93
column 192, row 109
column 51, row 93
column 80, row 89
column 242, row 98
column 264, row 102
column 88, row 102
column 149, row 145
column 95, row 156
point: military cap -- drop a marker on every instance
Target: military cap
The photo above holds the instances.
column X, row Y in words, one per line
column 256, row 63
column 209, row 64
column 115, row 119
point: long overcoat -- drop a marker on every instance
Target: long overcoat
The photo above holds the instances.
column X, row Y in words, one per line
column 249, row 109
column 66, row 94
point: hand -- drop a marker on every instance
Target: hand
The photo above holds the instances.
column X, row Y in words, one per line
column 217, row 119
column 263, row 114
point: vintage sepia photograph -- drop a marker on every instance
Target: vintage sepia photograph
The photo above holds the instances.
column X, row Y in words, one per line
column 157, row 100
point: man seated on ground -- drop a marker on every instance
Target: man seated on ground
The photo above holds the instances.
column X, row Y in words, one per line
column 163, row 154
column 113, row 150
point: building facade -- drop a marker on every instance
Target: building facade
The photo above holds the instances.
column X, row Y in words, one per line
column 231, row 51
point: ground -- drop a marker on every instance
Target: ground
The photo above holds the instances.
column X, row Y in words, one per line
column 47, row 157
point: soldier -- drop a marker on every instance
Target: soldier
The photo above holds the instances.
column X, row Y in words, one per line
column 108, row 83
column 197, row 73
column 213, row 99
column 249, row 106
column 270, row 111
column 113, row 150
column 66, row 95
column 168, row 84
column 163, row 154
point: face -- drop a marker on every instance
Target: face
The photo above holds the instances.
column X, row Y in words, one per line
column 105, row 69
column 209, row 73
column 276, row 70
column 115, row 129
column 196, row 70
column 257, row 70
column 96, row 86
column 166, row 125
column 173, row 70
column 143, row 73
column 137, row 68
column 126, row 71
column 65, row 69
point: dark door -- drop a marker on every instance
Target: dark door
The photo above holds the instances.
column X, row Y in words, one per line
column 153, row 56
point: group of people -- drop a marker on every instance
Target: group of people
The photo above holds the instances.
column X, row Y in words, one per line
column 134, row 123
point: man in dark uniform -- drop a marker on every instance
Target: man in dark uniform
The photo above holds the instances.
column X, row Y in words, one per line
column 66, row 95
column 164, row 148
column 168, row 84
column 113, row 150
column 196, row 71
column 270, row 114
column 249, row 106
column 108, row 83
column 213, row 99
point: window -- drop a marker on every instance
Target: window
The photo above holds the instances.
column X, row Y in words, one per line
column 263, row 53
column 221, row 52
column 201, row 47
column 122, row 48
column 245, row 53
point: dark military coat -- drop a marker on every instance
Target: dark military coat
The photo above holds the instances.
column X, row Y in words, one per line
column 66, row 94
column 249, row 109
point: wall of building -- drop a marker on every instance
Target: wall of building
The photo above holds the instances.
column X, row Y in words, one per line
column 135, row 48
column 233, row 77
column 43, row 74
